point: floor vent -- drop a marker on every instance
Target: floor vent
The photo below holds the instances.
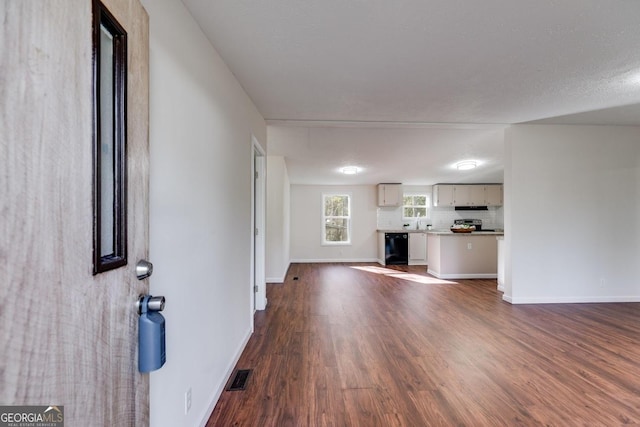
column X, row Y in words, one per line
column 239, row 380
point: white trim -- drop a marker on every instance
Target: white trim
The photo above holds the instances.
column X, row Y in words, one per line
column 280, row 279
column 382, row 262
column 463, row 276
column 204, row 417
column 573, row 300
column 337, row 260
column 501, row 288
column 258, row 214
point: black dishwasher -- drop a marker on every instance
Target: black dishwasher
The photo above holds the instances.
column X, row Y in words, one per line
column 396, row 248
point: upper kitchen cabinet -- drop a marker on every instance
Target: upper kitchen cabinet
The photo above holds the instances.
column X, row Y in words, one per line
column 493, row 195
column 444, row 195
column 389, row 194
column 467, row 195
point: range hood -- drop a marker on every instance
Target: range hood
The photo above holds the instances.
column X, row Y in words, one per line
column 471, row 208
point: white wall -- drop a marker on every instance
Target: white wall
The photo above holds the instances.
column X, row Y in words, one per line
column 306, row 225
column 573, row 198
column 278, row 224
column 201, row 123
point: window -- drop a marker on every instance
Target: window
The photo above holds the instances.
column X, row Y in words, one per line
column 109, row 141
column 415, row 206
column 336, row 219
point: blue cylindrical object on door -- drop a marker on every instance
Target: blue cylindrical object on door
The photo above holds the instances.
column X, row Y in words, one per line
column 151, row 340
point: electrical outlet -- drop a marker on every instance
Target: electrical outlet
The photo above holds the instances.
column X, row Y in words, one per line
column 469, row 246
column 603, row 283
column 187, row 401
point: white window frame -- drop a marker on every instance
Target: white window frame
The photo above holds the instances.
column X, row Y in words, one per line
column 427, row 205
column 348, row 218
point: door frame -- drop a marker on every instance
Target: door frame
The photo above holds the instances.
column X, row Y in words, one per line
column 258, row 236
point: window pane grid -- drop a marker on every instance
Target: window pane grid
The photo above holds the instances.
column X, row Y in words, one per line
column 336, row 218
column 415, row 206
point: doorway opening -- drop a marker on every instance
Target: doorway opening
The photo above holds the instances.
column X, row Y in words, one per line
column 258, row 189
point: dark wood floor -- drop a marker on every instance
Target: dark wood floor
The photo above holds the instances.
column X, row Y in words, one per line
column 363, row 345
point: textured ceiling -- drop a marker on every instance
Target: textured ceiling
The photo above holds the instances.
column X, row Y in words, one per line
column 425, row 61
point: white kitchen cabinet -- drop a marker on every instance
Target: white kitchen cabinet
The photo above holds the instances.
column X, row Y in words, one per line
column 469, row 195
column 493, row 195
column 444, row 195
column 417, row 248
column 389, row 194
column 381, row 254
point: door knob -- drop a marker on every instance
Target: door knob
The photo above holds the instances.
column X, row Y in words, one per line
column 150, row 302
column 144, row 269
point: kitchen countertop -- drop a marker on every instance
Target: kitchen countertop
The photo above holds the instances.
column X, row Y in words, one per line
column 403, row 230
column 444, row 232
column 473, row 233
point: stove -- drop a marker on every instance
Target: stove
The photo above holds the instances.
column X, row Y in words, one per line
column 475, row 222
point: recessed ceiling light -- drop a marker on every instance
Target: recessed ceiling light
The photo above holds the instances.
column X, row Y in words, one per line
column 350, row 170
column 466, row 165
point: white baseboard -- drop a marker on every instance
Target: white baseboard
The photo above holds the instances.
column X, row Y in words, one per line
column 572, row 300
column 463, row 276
column 218, row 391
column 281, row 278
column 338, row 260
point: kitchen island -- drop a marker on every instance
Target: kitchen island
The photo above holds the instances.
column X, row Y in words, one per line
column 463, row 255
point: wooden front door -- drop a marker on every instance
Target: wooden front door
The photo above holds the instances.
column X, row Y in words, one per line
column 67, row 337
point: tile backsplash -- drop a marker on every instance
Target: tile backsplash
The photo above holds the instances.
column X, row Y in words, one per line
column 390, row 218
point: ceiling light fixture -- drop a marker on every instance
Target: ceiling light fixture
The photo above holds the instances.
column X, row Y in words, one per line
column 466, row 165
column 350, row 170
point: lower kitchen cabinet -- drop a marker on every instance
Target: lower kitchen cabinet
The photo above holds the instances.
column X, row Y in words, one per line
column 417, row 249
